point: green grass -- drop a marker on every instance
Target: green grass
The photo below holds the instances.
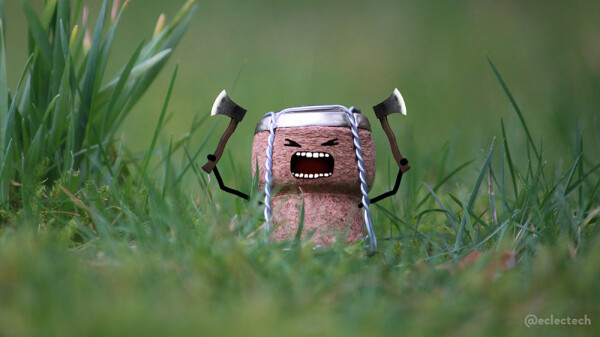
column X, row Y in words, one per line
column 95, row 240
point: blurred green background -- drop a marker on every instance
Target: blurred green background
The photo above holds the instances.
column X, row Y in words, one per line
column 270, row 55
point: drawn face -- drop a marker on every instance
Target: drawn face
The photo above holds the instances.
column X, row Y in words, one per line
column 315, row 158
column 309, row 164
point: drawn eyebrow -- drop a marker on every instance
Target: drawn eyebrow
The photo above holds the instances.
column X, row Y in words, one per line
column 291, row 143
column 330, row 142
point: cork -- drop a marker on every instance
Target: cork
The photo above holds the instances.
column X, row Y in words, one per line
column 331, row 211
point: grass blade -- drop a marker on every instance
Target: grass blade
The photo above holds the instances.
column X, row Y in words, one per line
column 105, row 49
column 298, row 236
column 174, row 33
column 509, row 160
column 5, row 171
column 449, row 215
column 515, row 107
column 592, row 198
column 159, row 124
column 471, row 200
column 197, row 153
column 199, row 176
column 118, row 90
column 443, row 180
column 167, row 168
column 48, row 13
column 37, row 32
column 3, row 80
column 571, row 187
column 140, row 69
column 580, row 168
column 11, row 130
column 89, row 80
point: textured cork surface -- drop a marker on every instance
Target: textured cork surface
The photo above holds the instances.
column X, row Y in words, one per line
column 331, row 203
column 331, row 217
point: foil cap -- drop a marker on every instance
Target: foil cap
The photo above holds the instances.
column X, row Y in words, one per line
column 317, row 115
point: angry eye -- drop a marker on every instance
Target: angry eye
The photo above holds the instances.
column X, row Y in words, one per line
column 292, row 143
column 330, row 142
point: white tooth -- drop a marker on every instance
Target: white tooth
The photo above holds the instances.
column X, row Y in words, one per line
column 309, row 154
column 321, row 154
column 327, row 174
column 301, row 175
column 297, row 153
column 302, row 154
column 315, row 154
column 310, row 175
column 296, row 175
column 326, row 154
column 321, row 175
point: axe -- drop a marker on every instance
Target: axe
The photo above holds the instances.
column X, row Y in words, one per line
column 394, row 104
column 224, row 106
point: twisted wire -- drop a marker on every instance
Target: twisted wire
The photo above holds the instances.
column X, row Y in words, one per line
column 269, row 174
column 360, row 161
column 372, row 246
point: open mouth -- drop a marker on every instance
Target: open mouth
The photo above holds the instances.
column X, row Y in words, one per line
column 311, row 165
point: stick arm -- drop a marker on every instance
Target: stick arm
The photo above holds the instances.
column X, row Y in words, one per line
column 212, row 158
column 388, row 193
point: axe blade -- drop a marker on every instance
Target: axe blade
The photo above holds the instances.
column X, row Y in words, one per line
column 226, row 106
column 393, row 104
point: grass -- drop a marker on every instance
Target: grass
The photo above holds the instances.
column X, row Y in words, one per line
column 98, row 241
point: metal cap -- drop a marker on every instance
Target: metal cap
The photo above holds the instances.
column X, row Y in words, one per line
column 316, row 115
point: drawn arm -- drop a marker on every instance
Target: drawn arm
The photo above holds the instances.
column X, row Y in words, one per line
column 222, row 186
column 394, row 189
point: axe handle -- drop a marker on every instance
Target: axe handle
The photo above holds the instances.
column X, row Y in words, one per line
column 210, row 165
column 403, row 164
